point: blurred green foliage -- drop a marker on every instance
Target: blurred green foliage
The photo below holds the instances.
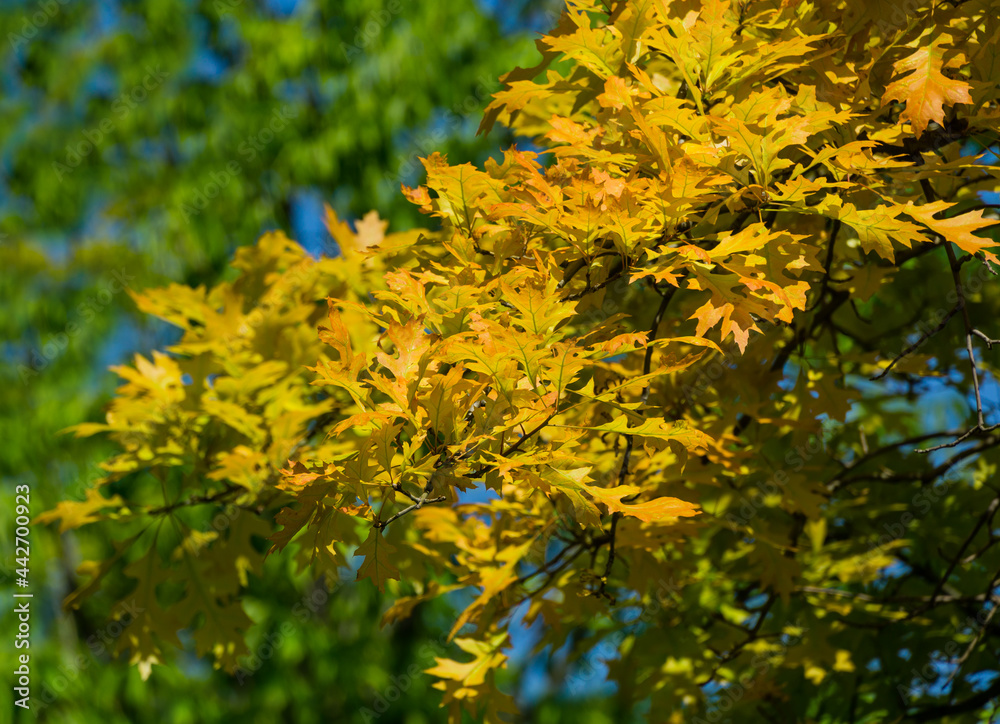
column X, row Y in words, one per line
column 140, row 143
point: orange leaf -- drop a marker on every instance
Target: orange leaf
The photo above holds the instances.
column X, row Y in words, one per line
column 925, row 89
column 956, row 229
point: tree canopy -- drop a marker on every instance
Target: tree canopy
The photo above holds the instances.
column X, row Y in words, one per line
column 703, row 382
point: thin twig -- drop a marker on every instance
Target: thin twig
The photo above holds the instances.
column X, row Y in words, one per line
column 989, row 342
column 419, row 504
column 979, row 632
column 988, row 514
column 834, row 230
column 923, row 338
column 623, row 470
column 958, row 440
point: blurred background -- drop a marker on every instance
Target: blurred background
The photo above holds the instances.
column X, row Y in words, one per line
column 142, row 142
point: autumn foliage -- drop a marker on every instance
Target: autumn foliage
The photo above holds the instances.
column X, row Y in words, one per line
column 667, row 384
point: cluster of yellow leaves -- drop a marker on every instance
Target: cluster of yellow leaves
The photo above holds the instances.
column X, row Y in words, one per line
column 704, row 150
column 204, row 432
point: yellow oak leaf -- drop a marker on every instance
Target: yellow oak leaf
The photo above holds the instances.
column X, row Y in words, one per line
column 918, row 80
